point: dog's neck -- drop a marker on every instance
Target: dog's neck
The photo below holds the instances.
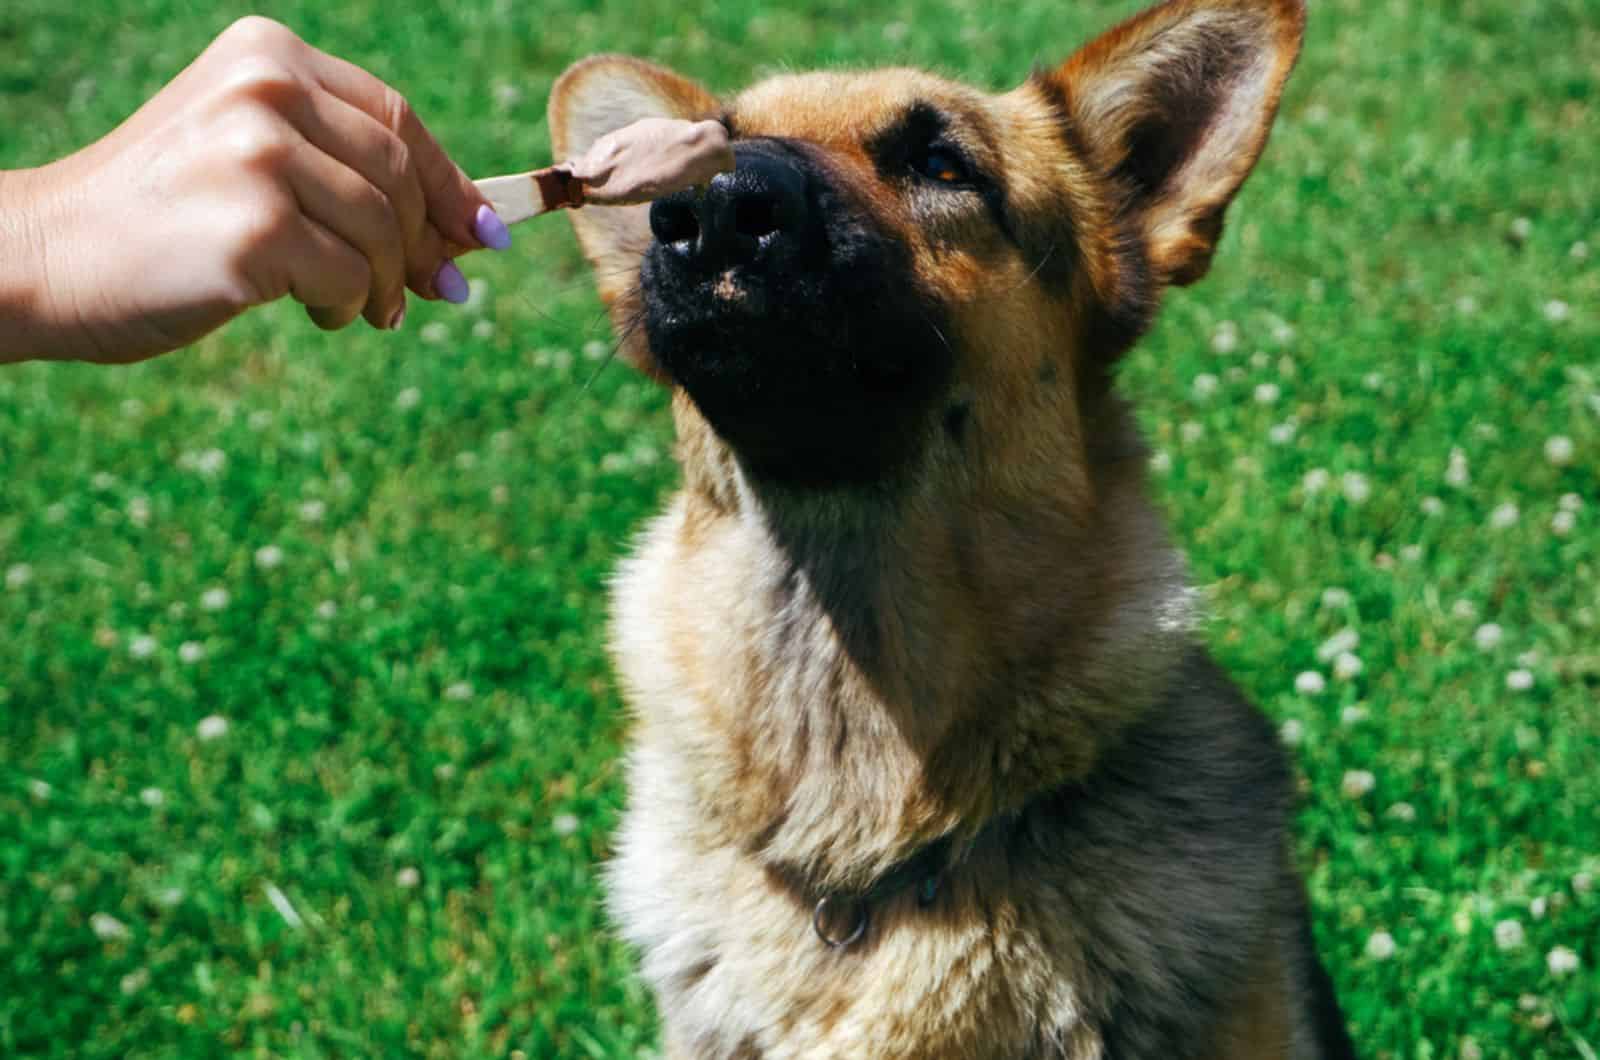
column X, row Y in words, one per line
column 908, row 666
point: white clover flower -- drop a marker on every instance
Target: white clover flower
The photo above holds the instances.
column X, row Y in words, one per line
column 483, row 329
column 1556, row 311
column 1466, row 305
column 1356, row 487
column 1583, row 883
column 212, row 727
column 613, row 463
column 1571, row 502
column 1411, row 553
column 1292, row 732
column 1521, row 229
column 1457, row 473
column 107, row 928
column 1310, row 683
column 1372, row 380
column 191, row 652
column 1357, row 783
column 260, row 419
column 313, row 511
column 1508, row 935
column 1161, row 462
column 56, row 513
column 1464, row 609
column 507, row 93
column 1345, row 640
column 436, row 332
column 444, row 771
column 327, row 609
column 1205, row 384
column 104, row 480
column 1538, row 907
column 1260, row 359
column 1316, row 480
column 408, row 399
column 1561, row 961
column 1403, row 812
column 1354, row 715
column 1579, row 251
column 1563, row 523
column 564, row 824
column 269, row 557
column 1381, row 946
column 466, row 460
column 142, row 646
column 154, row 798
column 139, row 511
column 40, row 789
column 1432, row 506
column 1282, row 332
column 214, row 599
column 1267, row 393
column 1226, row 338
column 1504, row 517
column 594, row 350
column 1558, row 450
column 1191, row 432
column 459, row 691
column 1469, row 1050
column 407, row 877
column 1335, row 598
column 18, row 575
column 1519, row 680
column 135, row 981
column 1283, row 433
column 1488, row 636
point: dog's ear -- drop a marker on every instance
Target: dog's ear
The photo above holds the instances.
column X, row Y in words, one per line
column 1175, row 105
column 599, row 95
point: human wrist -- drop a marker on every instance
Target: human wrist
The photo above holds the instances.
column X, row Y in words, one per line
column 30, row 325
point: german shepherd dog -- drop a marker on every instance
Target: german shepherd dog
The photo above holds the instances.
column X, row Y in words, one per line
column 928, row 761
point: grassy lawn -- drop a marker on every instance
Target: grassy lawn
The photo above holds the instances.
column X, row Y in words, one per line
column 308, row 743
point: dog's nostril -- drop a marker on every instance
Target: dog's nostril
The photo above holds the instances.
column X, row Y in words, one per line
column 755, row 216
column 673, row 222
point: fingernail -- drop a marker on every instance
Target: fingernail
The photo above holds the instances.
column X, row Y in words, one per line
column 490, row 230
column 398, row 318
column 450, row 284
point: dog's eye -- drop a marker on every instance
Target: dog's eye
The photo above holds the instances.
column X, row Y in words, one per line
column 941, row 164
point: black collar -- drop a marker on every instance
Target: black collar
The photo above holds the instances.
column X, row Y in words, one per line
column 841, row 918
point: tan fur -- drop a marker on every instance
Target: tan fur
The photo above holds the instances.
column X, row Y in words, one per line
column 1023, row 607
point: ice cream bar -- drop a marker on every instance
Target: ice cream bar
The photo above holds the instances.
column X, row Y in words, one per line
column 637, row 163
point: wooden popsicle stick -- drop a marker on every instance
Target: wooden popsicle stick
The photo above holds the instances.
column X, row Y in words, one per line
column 519, row 196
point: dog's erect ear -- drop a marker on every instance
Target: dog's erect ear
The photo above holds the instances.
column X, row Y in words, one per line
column 599, row 95
column 1176, row 104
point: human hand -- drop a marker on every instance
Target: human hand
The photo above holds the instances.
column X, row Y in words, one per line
column 266, row 168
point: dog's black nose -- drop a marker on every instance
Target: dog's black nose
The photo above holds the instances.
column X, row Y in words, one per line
column 742, row 214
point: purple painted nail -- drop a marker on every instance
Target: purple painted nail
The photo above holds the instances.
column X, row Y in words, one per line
column 450, row 284
column 490, row 230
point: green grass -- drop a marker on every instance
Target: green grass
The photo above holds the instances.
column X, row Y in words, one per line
column 419, row 692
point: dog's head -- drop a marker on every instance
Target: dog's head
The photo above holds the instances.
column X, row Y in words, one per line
column 905, row 272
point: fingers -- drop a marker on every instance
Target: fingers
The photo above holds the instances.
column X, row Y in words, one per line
column 364, row 218
column 326, row 274
column 371, row 149
column 452, row 202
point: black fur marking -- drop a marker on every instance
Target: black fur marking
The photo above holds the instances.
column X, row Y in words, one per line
column 956, row 418
column 925, row 126
column 816, row 369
